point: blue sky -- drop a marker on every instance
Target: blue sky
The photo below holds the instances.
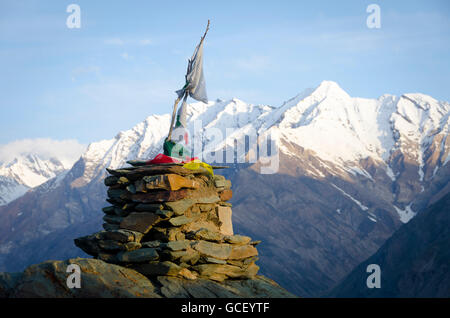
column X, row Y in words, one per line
column 128, row 57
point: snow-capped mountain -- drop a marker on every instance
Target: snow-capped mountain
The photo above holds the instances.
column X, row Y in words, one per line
column 26, row 172
column 405, row 137
column 350, row 172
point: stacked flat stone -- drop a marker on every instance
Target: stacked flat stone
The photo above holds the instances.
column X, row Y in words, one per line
column 165, row 219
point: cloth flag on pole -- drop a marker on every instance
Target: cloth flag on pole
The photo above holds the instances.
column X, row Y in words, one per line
column 178, row 143
column 194, row 87
column 195, row 80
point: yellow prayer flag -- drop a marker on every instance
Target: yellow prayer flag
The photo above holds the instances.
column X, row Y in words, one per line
column 197, row 164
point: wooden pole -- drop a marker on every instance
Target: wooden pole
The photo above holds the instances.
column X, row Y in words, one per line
column 174, row 113
column 206, row 31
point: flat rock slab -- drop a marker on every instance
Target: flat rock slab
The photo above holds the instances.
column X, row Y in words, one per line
column 208, row 199
column 224, row 213
column 110, row 245
column 226, row 195
column 178, row 245
column 179, row 207
column 123, row 236
column 89, row 244
column 158, row 268
column 139, row 172
column 237, row 239
column 138, row 256
column 219, row 251
column 213, row 260
column 140, row 221
column 169, row 182
column 180, row 220
column 208, row 235
column 210, row 270
column 222, row 183
column 159, row 196
column 118, row 194
column 149, row 207
column 242, row 251
column 225, row 251
column 113, row 219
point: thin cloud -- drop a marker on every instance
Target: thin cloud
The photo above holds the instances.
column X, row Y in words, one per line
column 114, row 41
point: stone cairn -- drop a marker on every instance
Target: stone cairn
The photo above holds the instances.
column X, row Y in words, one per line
column 165, row 219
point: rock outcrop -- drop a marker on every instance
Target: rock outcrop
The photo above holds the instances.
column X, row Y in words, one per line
column 99, row 279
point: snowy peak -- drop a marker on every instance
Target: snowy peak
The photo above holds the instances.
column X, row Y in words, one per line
column 327, row 99
column 30, row 170
column 340, row 128
column 329, row 89
column 25, row 172
column 334, row 125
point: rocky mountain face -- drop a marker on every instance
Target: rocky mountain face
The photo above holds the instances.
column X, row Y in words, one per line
column 414, row 262
column 10, row 190
column 350, row 172
column 26, row 172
